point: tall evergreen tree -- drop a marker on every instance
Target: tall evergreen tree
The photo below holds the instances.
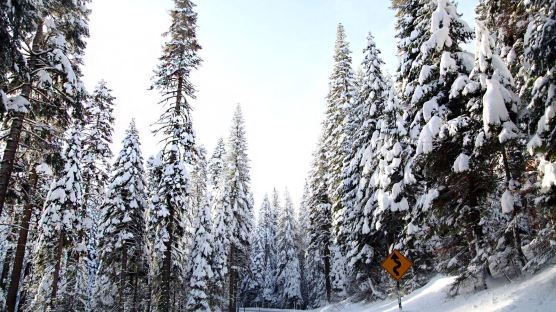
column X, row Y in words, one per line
column 361, row 181
column 170, row 205
column 235, row 198
column 439, row 62
column 256, row 281
column 216, row 165
column 98, row 130
column 198, row 294
column 60, row 250
column 320, row 226
column 268, row 224
column 540, row 60
column 302, row 243
column 122, row 282
column 49, row 79
column 288, row 277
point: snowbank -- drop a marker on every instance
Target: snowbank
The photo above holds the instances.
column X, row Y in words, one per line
column 528, row 294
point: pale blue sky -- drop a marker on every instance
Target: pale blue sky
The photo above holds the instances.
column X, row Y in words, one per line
column 273, row 57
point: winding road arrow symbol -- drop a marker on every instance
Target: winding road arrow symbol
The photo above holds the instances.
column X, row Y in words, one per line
column 396, row 260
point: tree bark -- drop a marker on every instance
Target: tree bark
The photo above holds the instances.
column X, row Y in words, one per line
column 232, row 283
column 12, row 144
column 11, row 299
column 123, row 275
column 167, row 262
column 56, row 275
column 327, row 282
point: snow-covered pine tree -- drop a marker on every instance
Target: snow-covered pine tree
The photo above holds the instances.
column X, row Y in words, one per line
column 122, row 276
column 220, row 232
column 54, row 32
column 269, row 223
column 235, row 198
column 339, row 103
column 360, row 180
column 485, row 136
column 98, row 130
column 216, row 166
column 200, row 275
column 288, row 275
column 97, row 138
column 302, row 241
column 198, row 196
column 412, row 30
column 540, row 56
column 320, row 221
column 439, row 62
column 507, row 21
column 41, row 94
column 170, row 204
column 60, row 250
column 254, row 290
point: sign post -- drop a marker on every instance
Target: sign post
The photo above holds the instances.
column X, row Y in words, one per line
column 397, row 265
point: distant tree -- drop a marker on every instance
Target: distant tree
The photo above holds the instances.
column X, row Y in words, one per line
column 288, row 277
column 121, row 282
column 234, row 201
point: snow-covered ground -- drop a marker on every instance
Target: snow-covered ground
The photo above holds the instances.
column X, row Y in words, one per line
column 528, row 294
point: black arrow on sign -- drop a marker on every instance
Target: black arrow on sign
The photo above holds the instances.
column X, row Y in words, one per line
column 396, row 259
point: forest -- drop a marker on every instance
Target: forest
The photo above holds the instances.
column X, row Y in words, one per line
column 451, row 160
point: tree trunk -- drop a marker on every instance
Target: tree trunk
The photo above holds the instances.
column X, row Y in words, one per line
column 327, row 282
column 167, row 262
column 58, row 263
column 12, row 144
column 11, row 299
column 232, row 284
column 515, row 214
column 135, row 290
column 123, row 275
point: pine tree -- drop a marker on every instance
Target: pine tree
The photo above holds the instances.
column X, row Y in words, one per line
column 170, row 205
column 439, row 62
column 540, row 54
column 41, row 92
column 121, row 283
column 288, row 277
column 50, row 73
column 98, row 130
column 486, row 136
column 256, row 281
column 237, row 192
column 507, row 21
column 60, row 249
column 302, row 243
column 216, row 165
column 320, row 221
column 220, row 230
column 198, row 297
column 339, row 102
column 361, row 181
column 269, row 212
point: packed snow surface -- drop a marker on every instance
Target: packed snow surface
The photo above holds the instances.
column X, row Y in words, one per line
column 527, row 294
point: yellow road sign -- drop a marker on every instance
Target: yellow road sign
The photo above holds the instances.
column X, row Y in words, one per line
column 396, row 265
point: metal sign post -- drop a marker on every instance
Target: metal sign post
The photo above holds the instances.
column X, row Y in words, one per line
column 397, row 265
column 399, row 297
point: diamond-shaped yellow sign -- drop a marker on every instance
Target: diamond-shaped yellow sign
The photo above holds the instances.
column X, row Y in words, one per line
column 396, row 265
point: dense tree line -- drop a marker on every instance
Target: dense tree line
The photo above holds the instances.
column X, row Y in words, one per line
column 83, row 233
column 451, row 160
